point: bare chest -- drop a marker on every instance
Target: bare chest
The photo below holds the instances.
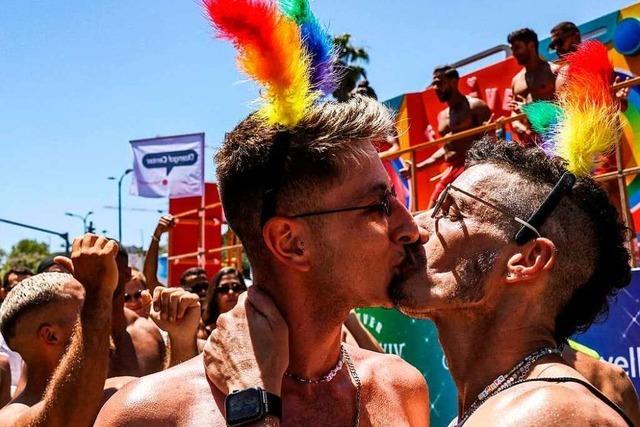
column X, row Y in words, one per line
column 533, row 86
column 339, row 406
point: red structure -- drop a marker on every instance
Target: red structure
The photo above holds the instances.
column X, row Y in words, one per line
column 197, row 231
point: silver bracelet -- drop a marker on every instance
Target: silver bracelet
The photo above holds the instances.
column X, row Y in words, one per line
column 153, row 237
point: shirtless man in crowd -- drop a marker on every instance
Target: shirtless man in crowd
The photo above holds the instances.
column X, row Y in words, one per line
column 306, row 233
column 138, row 347
column 462, row 113
column 67, row 354
column 536, row 81
column 502, row 304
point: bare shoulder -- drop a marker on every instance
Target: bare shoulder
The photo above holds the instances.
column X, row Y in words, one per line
column 389, row 370
column 476, row 103
column 534, row 404
column 11, row 414
column 519, row 76
column 164, row 398
column 555, row 68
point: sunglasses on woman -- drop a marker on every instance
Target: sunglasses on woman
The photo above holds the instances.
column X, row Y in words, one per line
column 235, row 287
column 136, row 295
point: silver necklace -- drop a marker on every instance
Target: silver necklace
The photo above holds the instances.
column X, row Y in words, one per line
column 504, row 381
column 326, row 377
column 344, row 357
column 354, row 374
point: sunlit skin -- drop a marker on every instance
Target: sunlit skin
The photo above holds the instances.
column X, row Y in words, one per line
column 315, row 289
column 486, row 326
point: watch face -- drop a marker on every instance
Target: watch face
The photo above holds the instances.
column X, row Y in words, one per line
column 243, row 406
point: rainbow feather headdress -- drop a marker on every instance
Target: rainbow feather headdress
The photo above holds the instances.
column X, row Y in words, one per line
column 281, row 46
column 582, row 123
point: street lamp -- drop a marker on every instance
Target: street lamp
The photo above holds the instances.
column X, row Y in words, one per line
column 113, row 178
column 83, row 218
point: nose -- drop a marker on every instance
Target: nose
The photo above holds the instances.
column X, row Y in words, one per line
column 404, row 229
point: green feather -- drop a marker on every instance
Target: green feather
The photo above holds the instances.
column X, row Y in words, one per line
column 297, row 10
column 542, row 115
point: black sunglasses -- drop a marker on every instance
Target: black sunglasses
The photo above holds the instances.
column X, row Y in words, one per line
column 235, row 287
column 383, row 206
column 136, row 295
column 198, row 288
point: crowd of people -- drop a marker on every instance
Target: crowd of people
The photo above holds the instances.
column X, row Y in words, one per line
column 86, row 339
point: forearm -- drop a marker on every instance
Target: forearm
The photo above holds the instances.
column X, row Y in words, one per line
column 362, row 336
column 437, row 155
column 182, row 349
column 75, row 390
column 150, row 269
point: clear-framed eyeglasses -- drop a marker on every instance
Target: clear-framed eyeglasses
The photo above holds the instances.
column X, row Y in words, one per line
column 443, row 196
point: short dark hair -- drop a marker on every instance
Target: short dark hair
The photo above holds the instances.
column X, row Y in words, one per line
column 526, row 35
column 20, row 271
column 262, row 166
column 211, row 311
column 448, row 71
column 565, row 27
column 193, row 271
column 593, row 261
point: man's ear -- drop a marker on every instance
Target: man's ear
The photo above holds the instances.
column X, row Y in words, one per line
column 530, row 261
column 50, row 334
column 285, row 239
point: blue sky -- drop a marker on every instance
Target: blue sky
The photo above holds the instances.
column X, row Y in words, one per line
column 79, row 79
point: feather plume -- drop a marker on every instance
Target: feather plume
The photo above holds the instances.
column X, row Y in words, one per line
column 590, row 124
column 318, row 44
column 542, row 115
column 270, row 51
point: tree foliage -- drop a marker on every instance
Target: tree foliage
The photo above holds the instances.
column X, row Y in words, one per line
column 26, row 253
column 349, row 66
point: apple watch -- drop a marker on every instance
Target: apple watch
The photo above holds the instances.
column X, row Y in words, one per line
column 249, row 405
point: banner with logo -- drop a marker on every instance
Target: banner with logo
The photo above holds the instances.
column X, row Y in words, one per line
column 616, row 340
column 171, row 166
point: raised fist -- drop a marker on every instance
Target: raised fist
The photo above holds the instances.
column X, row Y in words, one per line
column 93, row 264
column 176, row 311
column 164, row 224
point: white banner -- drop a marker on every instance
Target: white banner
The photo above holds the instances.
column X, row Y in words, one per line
column 171, row 166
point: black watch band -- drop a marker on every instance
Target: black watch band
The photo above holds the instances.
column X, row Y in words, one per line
column 273, row 405
column 250, row 405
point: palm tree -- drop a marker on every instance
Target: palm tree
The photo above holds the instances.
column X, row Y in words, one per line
column 349, row 70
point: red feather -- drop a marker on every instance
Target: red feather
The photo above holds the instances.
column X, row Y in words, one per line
column 258, row 32
column 589, row 74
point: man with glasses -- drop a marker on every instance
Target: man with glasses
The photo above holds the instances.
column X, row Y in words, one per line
column 520, row 255
column 315, row 210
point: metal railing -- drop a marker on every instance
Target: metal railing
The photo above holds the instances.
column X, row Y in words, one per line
column 620, row 173
column 498, row 124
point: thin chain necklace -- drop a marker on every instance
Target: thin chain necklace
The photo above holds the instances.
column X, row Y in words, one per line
column 344, row 357
column 326, row 377
column 354, row 374
column 504, row 381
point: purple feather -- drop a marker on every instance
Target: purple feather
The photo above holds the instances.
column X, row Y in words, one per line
column 319, row 46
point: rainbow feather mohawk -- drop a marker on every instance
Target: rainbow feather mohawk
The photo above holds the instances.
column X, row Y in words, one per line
column 583, row 122
column 272, row 51
column 317, row 41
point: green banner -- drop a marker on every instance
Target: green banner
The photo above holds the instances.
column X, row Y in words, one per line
column 416, row 341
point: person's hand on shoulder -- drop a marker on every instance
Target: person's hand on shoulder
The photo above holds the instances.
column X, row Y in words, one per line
column 249, row 347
